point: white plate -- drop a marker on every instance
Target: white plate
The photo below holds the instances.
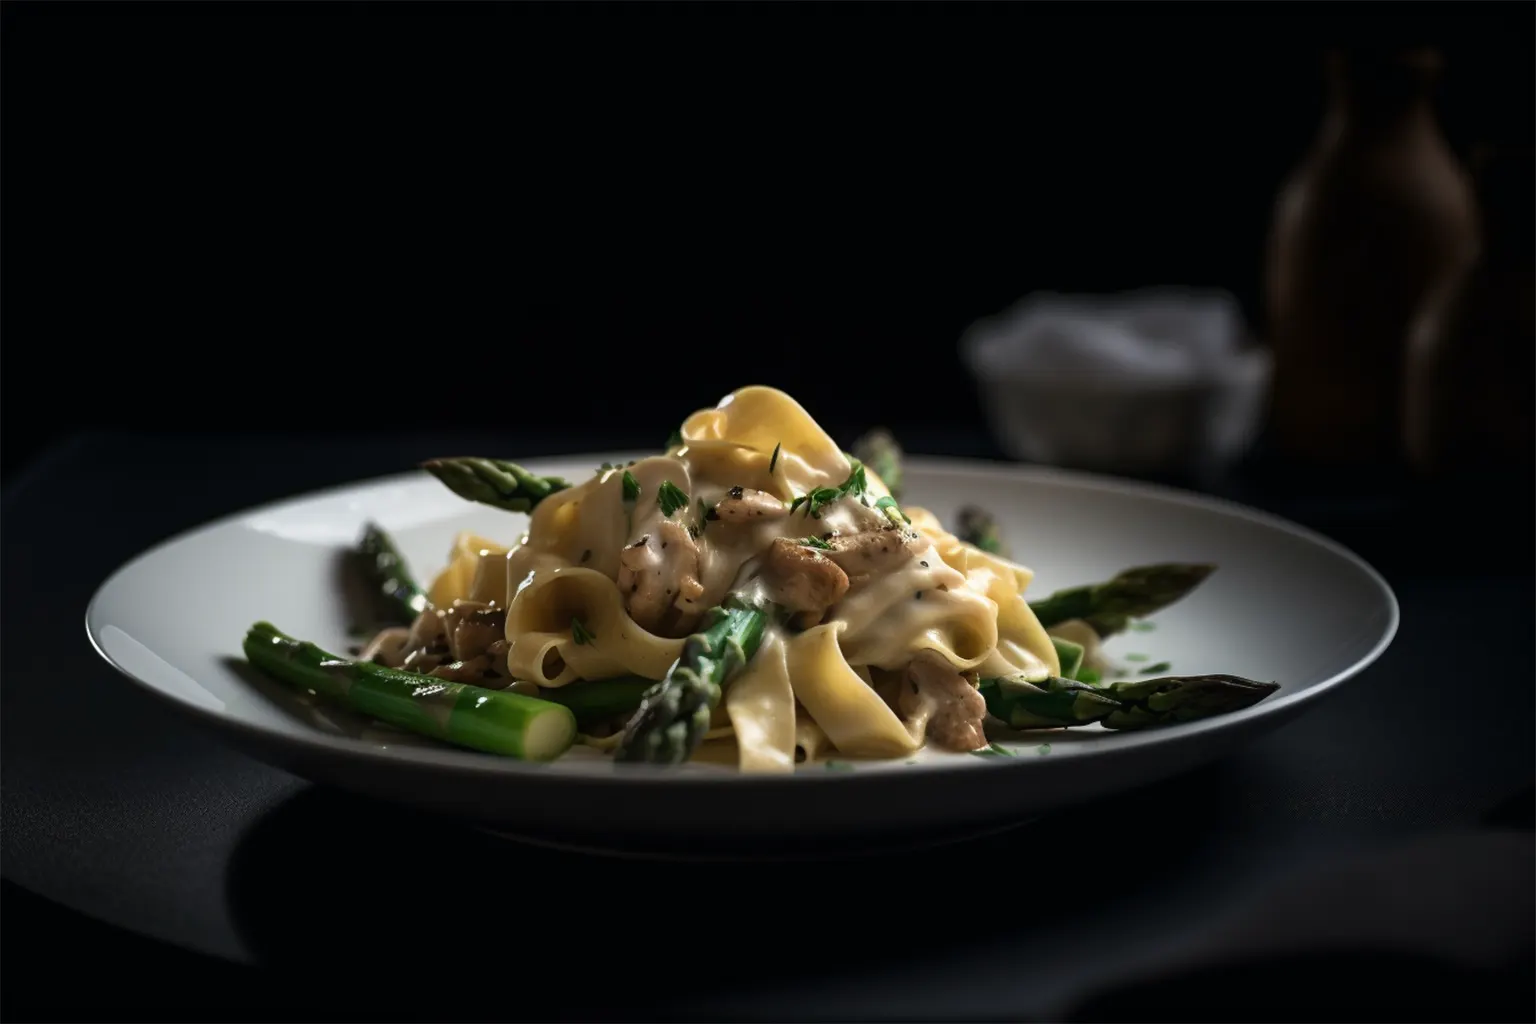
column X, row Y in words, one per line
column 1284, row 605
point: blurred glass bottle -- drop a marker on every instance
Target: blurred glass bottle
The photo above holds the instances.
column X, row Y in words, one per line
column 1471, row 377
column 1376, row 218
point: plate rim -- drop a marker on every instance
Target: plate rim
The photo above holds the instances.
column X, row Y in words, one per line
column 452, row 760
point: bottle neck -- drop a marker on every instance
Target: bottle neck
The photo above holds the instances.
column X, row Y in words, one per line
column 1373, row 98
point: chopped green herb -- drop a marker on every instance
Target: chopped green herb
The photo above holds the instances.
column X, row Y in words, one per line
column 994, row 750
column 605, row 467
column 1044, row 748
column 1152, row 670
column 857, row 482
column 1089, row 676
column 670, row 498
column 839, row 766
column 631, row 487
column 814, row 500
column 773, row 462
column 579, row 633
column 674, row 439
column 697, row 529
column 888, row 505
column 909, row 762
column 1143, row 626
column 816, row 542
column 1135, row 657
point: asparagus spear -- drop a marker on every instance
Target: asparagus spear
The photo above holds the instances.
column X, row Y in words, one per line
column 674, row 712
column 1109, row 606
column 879, row 451
column 1070, row 655
column 1046, row 703
column 469, row 716
column 389, row 575
column 1131, row 704
column 600, row 700
column 977, row 526
column 496, row 482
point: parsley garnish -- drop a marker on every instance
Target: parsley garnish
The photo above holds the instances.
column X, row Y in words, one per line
column 631, row 487
column 670, row 498
column 1089, row 676
column 856, row 482
column 775, row 460
column 816, row 542
column 1135, row 657
column 697, row 529
column 814, row 500
column 605, row 467
column 580, row 634
column 674, row 439
column 888, row 505
column 1044, row 748
column 1152, row 670
column 1143, row 627
column 839, row 766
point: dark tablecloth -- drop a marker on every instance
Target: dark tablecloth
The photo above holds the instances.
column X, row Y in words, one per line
column 1373, row 857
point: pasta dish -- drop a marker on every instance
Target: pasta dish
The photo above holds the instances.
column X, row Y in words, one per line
column 753, row 595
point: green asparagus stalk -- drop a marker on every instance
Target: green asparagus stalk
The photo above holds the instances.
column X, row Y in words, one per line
column 978, row 527
column 1133, row 704
column 879, row 451
column 1169, row 699
column 1135, row 593
column 505, row 485
column 389, row 576
column 674, row 713
column 600, row 700
column 468, row 716
column 1070, row 655
column 1045, row 703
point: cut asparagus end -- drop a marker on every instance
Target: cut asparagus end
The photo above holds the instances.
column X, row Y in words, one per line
column 493, row 721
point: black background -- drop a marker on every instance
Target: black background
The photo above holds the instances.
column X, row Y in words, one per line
column 226, row 218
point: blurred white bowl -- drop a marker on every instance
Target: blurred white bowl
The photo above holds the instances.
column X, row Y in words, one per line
column 1148, row 383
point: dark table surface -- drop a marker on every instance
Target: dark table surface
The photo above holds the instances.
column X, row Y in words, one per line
column 1373, row 858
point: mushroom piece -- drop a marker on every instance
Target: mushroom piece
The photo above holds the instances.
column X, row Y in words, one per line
column 943, row 701
column 802, row 579
column 659, row 577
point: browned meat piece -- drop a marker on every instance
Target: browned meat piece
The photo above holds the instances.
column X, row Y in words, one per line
column 388, row 648
column 954, row 708
column 745, row 505
column 659, row 577
column 472, row 627
column 872, row 551
column 487, row 669
column 802, row 578
column 466, row 643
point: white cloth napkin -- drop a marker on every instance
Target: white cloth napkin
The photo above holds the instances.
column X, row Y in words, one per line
column 1153, row 334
